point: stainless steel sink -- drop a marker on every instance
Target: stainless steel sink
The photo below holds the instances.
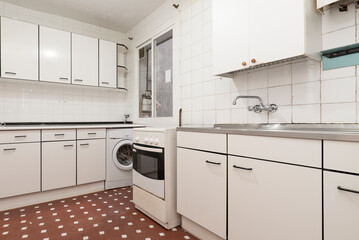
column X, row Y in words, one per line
column 329, row 128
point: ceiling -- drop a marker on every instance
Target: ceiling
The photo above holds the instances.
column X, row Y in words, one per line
column 119, row 15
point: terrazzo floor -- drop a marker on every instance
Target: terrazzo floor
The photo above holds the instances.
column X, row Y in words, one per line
column 103, row 215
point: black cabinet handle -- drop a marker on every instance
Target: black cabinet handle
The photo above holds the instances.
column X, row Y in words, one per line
column 215, row 163
column 347, row 190
column 59, row 134
column 9, row 149
column 10, row 73
column 243, row 168
column 69, row 145
column 63, row 78
column 84, row 144
column 22, row 136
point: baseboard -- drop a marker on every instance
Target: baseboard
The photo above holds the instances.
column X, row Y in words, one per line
column 46, row 196
column 198, row 231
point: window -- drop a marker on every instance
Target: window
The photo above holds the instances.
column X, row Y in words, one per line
column 156, row 77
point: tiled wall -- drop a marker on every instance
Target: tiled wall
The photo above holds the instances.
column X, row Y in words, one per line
column 304, row 93
column 25, row 101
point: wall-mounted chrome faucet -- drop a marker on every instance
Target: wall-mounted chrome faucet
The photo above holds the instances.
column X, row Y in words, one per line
column 260, row 107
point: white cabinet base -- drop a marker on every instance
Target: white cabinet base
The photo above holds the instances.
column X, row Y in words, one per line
column 198, row 231
column 40, row 197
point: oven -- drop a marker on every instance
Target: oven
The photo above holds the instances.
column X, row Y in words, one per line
column 149, row 169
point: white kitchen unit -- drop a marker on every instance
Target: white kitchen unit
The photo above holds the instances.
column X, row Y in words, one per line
column 55, row 55
column 84, row 60
column 19, row 49
column 107, row 64
column 58, row 159
column 341, row 190
column 201, row 184
column 277, row 199
column 249, row 34
column 19, row 163
column 91, row 159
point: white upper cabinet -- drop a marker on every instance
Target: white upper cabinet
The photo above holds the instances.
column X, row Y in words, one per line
column 254, row 33
column 84, row 60
column 55, row 55
column 322, row 3
column 19, row 49
column 229, row 39
column 108, row 64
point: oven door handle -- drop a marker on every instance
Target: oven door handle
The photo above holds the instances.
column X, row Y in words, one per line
column 148, row 149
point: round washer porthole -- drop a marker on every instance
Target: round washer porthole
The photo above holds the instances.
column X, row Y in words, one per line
column 122, row 155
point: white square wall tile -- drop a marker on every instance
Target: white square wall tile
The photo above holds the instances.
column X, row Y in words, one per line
column 209, row 102
column 197, row 117
column 339, row 38
column 223, row 85
column 258, row 79
column 209, row 88
column 280, row 75
column 262, row 93
column 280, row 95
column 338, row 73
column 258, row 117
column 223, row 116
column 306, row 113
column 239, row 115
column 282, row 115
column 306, row 93
column 223, row 101
column 333, row 20
column 239, row 82
column 209, row 117
column 338, row 90
column 339, row 113
column 305, row 71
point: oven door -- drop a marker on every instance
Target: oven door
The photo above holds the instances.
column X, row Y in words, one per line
column 149, row 169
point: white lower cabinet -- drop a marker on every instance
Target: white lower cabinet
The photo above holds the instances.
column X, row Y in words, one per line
column 341, row 206
column 269, row 200
column 91, row 160
column 201, row 189
column 19, row 169
column 58, row 164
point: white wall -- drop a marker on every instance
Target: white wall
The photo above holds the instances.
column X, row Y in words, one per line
column 304, row 93
column 22, row 101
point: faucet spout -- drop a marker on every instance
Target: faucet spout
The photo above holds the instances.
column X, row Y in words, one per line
column 253, row 97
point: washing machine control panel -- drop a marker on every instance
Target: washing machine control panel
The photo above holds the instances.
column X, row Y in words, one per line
column 149, row 138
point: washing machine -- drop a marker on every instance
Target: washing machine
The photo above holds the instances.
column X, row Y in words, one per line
column 119, row 158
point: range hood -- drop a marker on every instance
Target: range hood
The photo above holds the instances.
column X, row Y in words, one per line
column 342, row 4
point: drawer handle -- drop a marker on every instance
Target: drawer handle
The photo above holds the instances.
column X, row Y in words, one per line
column 63, row 78
column 9, row 149
column 78, row 80
column 59, row 134
column 69, row 145
column 20, row 136
column 84, row 144
column 215, row 163
column 347, row 190
column 105, row 82
column 243, row 168
column 91, row 133
column 10, row 73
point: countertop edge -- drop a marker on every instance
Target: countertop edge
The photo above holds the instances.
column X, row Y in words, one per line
column 66, row 126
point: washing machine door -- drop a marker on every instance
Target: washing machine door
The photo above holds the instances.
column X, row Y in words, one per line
column 122, row 155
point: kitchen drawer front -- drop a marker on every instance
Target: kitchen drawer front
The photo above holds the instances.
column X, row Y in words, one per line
column 58, row 135
column 341, row 208
column 19, row 169
column 91, row 133
column 341, row 156
column 204, row 141
column 19, row 136
column 287, row 150
column 201, row 188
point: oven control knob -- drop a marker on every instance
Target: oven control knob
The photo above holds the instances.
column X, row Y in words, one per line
column 137, row 139
column 155, row 141
column 150, row 141
column 146, row 140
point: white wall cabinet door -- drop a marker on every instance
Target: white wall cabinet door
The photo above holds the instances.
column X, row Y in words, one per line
column 91, row 158
column 19, row 49
column 108, row 64
column 341, row 208
column 84, row 60
column 19, row 169
column 58, row 164
column 55, row 55
column 230, row 43
column 275, row 35
column 201, row 189
column 273, row 201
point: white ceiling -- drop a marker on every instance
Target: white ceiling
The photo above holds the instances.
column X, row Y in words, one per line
column 119, row 15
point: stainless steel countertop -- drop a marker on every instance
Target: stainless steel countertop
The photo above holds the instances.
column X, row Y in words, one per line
column 339, row 132
column 67, row 126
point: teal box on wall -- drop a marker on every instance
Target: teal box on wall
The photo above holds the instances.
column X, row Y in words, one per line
column 340, row 57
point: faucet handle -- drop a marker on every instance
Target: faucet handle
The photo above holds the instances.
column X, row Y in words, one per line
column 250, row 108
column 273, row 108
